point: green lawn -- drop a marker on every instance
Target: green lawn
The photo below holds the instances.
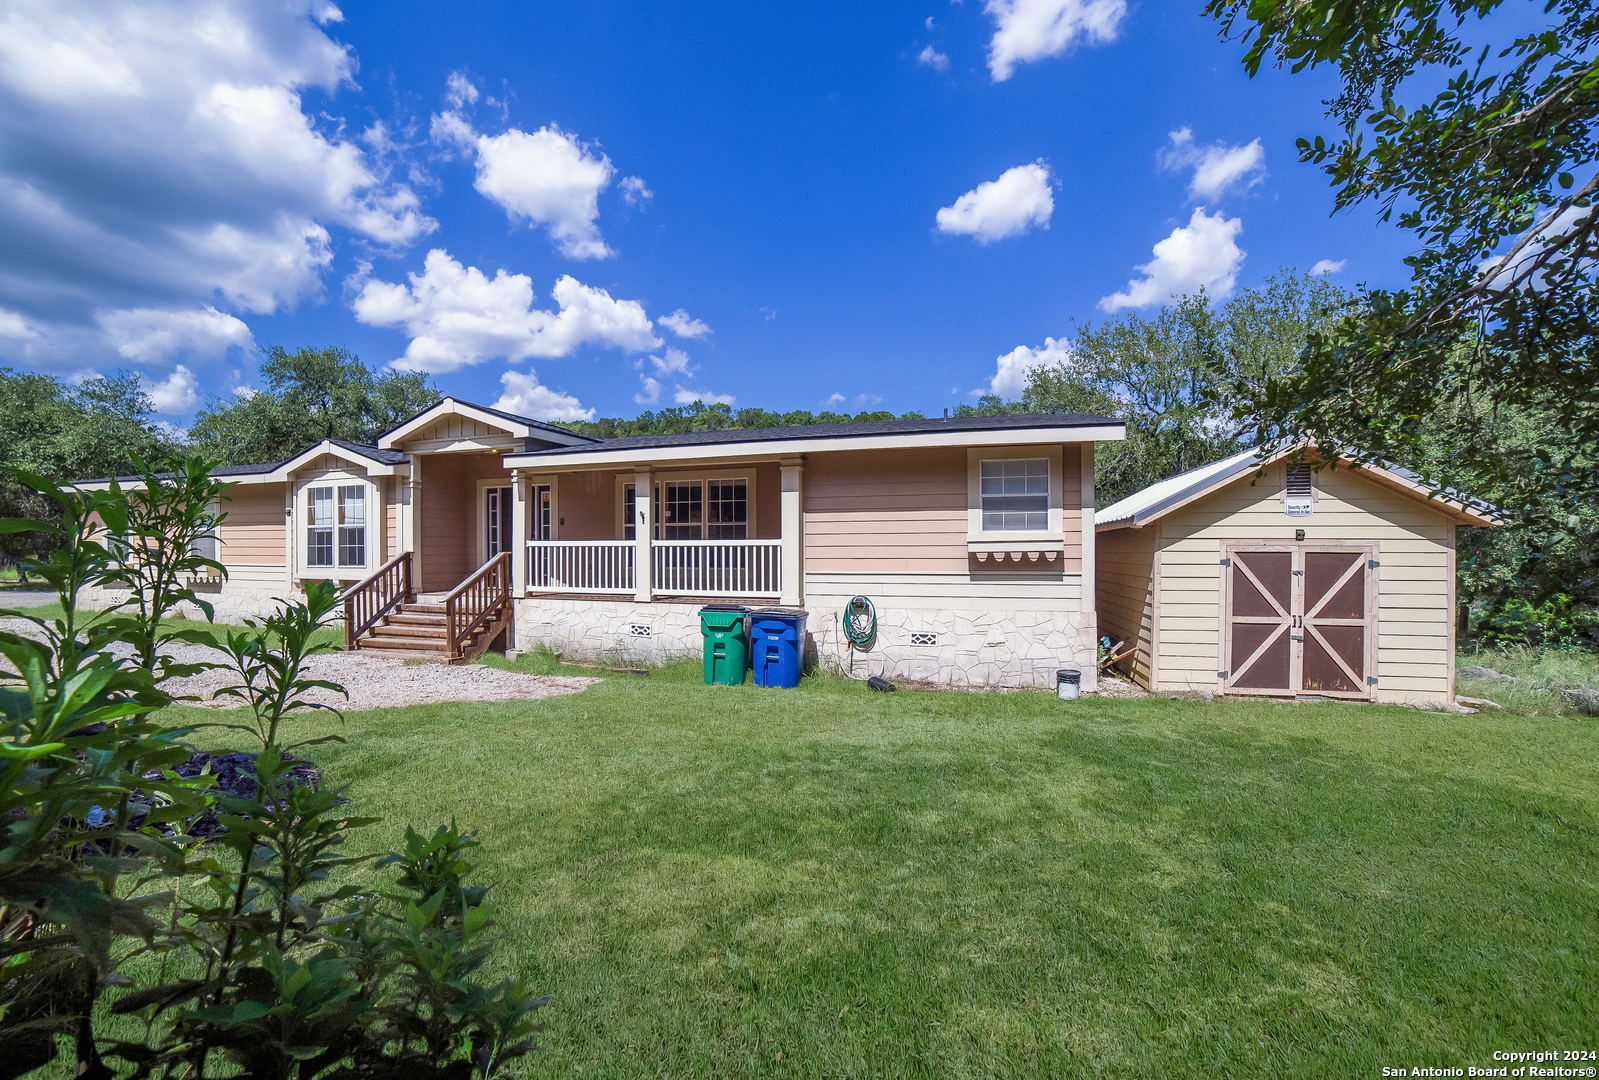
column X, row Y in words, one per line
column 951, row 884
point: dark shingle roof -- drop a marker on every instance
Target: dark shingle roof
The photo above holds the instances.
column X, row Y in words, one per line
column 372, row 453
column 855, row 428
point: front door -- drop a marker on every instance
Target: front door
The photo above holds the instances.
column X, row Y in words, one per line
column 498, row 503
column 1298, row 618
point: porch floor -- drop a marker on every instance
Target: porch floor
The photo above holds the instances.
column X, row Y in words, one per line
column 659, row 598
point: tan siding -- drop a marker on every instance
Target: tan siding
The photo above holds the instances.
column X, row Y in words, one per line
column 1415, row 589
column 254, row 532
column 896, row 511
column 391, row 517
column 448, row 521
column 587, row 505
column 1124, row 577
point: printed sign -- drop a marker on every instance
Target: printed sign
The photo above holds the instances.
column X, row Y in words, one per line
column 1298, row 505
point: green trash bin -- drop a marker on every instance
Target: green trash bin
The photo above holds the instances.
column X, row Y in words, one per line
column 727, row 647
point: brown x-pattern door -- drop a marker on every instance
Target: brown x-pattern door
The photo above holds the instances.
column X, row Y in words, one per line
column 1299, row 618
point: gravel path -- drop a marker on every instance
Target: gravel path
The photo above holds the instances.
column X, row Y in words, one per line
column 373, row 682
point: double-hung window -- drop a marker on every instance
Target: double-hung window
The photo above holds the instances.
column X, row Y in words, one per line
column 1015, row 495
column 727, row 510
column 335, row 532
column 683, row 510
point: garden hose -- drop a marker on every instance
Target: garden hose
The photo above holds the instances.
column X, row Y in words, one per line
column 860, row 623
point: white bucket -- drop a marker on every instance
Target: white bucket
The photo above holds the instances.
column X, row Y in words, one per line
column 1067, row 683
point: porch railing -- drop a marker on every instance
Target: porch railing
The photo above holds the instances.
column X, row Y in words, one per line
column 718, row 567
column 471, row 604
column 589, row 566
column 680, row 567
column 366, row 604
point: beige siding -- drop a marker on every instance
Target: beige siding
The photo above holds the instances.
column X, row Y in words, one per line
column 1415, row 589
column 1125, row 578
column 391, row 517
column 447, row 518
column 456, row 427
column 897, row 511
column 253, row 534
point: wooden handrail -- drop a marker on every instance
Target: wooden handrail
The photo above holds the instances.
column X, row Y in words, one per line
column 368, row 602
column 475, row 599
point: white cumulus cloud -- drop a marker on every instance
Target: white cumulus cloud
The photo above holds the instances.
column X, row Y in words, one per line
column 545, row 177
column 1012, row 369
column 685, row 396
column 459, row 90
column 456, row 315
column 933, row 59
column 650, row 394
column 834, row 399
column 635, row 192
column 1203, row 253
column 1218, row 168
column 1327, row 266
column 524, row 395
column 996, row 209
column 1029, row 30
column 156, row 155
column 679, row 323
column 674, row 362
column 146, row 335
column 177, row 393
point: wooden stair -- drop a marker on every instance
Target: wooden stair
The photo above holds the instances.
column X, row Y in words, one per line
column 382, row 617
column 418, row 630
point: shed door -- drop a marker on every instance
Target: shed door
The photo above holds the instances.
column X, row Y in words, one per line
column 1258, row 606
column 1337, row 623
column 1298, row 619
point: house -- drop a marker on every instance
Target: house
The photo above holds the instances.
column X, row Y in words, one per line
column 972, row 536
column 1270, row 575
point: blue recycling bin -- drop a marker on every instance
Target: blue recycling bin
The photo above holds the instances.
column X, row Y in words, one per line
column 777, row 645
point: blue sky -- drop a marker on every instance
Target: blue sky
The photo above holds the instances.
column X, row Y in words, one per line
column 727, row 201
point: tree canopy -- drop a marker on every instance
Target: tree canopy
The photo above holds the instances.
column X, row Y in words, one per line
column 310, row 395
column 1482, row 142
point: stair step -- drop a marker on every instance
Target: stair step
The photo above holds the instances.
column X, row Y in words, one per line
column 415, row 620
column 423, row 609
column 409, row 632
column 410, row 643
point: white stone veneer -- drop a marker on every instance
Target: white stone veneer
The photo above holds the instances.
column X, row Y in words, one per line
column 974, row 647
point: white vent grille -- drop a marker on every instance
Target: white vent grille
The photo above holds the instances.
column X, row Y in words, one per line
column 1299, row 480
column 638, row 630
column 924, row 638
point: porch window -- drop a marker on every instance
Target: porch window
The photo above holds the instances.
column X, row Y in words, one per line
column 683, row 512
column 336, row 526
column 727, row 510
column 352, row 525
column 319, row 530
column 1015, row 495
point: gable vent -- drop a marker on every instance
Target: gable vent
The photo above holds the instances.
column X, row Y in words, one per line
column 1299, row 480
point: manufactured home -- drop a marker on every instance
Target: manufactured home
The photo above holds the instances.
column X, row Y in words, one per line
column 1285, row 574
column 973, row 537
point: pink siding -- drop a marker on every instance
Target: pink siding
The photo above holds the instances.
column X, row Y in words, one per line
column 588, row 506
column 448, row 517
column 888, row 510
column 253, row 534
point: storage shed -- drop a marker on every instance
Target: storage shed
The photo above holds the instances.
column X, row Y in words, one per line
column 1255, row 575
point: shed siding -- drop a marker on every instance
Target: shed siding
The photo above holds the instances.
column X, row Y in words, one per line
column 1414, row 586
column 1125, row 577
column 254, row 533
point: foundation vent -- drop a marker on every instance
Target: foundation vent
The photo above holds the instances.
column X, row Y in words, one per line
column 924, row 638
column 638, row 630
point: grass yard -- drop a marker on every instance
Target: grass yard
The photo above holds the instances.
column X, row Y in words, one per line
column 828, row 882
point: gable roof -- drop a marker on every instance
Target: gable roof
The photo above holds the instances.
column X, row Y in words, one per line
column 931, row 431
column 520, row 427
column 1162, row 497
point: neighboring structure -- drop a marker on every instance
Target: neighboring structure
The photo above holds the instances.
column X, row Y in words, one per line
column 1255, row 576
column 971, row 536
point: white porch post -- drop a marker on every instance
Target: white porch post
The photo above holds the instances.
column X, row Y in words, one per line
column 519, row 516
column 1090, row 601
column 411, row 518
column 793, row 560
column 643, row 532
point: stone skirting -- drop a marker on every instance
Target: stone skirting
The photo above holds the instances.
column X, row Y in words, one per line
column 963, row 647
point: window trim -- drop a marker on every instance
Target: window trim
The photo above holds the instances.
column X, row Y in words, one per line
column 748, row 477
column 376, row 521
column 979, row 539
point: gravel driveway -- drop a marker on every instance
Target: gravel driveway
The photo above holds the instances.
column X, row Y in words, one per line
column 373, row 682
